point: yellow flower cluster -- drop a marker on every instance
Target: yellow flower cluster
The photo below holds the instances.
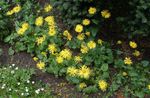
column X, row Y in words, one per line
column 40, row 40
column 82, row 85
column 132, row 44
column 79, row 28
column 102, row 85
column 100, row 41
column 136, row 53
column 128, row 61
column 39, row 21
column 40, row 65
column 51, row 22
column 67, row 34
column 59, row 59
column 84, row 49
column 66, row 54
column 106, row 14
column 78, row 59
column 16, row 9
column 83, row 72
column 81, row 36
column 86, row 22
column 48, row 8
column 72, row 71
column 23, row 28
column 92, row 10
column 91, row 44
column 52, row 48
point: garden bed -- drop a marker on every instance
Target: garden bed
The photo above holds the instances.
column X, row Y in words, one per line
column 76, row 46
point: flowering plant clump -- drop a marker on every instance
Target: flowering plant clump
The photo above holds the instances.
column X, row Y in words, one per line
column 78, row 53
column 91, row 9
column 16, row 82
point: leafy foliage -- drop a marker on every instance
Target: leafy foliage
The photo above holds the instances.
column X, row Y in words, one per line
column 131, row 18
column 17, row 82
column 78, row 53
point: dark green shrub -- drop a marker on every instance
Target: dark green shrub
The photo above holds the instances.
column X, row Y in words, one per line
column 136, row 21
column 131, row 18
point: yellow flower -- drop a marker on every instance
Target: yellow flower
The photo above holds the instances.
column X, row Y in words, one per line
column 79, row 28
column 52, row 48
column 50, row 20
column 82, row 85
column 91, row 44
column 100, row 41
column 21, row 31
column 86, row 22
column 84, row 49
column 59, row 59
column 136, row 53
column 48, row 8
column 67, row 34
column 92, row 10
column 102, row 85
column 149, row 86
column 66, row 54
column 40, row 65
column 25, row 26
column 35, row 59
column 17, row 9
column 132, row 44
column 119, row 42
column 69, row 37
column 128, row 61
column 52, row 31
column 106, row 14
column 81, row 36
column 87, row 33
column 40, row 40
column 124, row 74
column 84, row 72
column 9, row 12
column 72, row 71
column 78, row 59
column 39, row 21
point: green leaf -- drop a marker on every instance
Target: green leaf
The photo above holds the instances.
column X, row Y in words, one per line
column 90, row 89
column 20, row 46
column 73, row 80
column 11, row 51
column 104, row 67
column 7, row 39
column 145, row 63
column 95, row 21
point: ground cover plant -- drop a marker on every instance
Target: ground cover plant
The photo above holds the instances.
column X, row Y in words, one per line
column 18, row 82
column 78, row 52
